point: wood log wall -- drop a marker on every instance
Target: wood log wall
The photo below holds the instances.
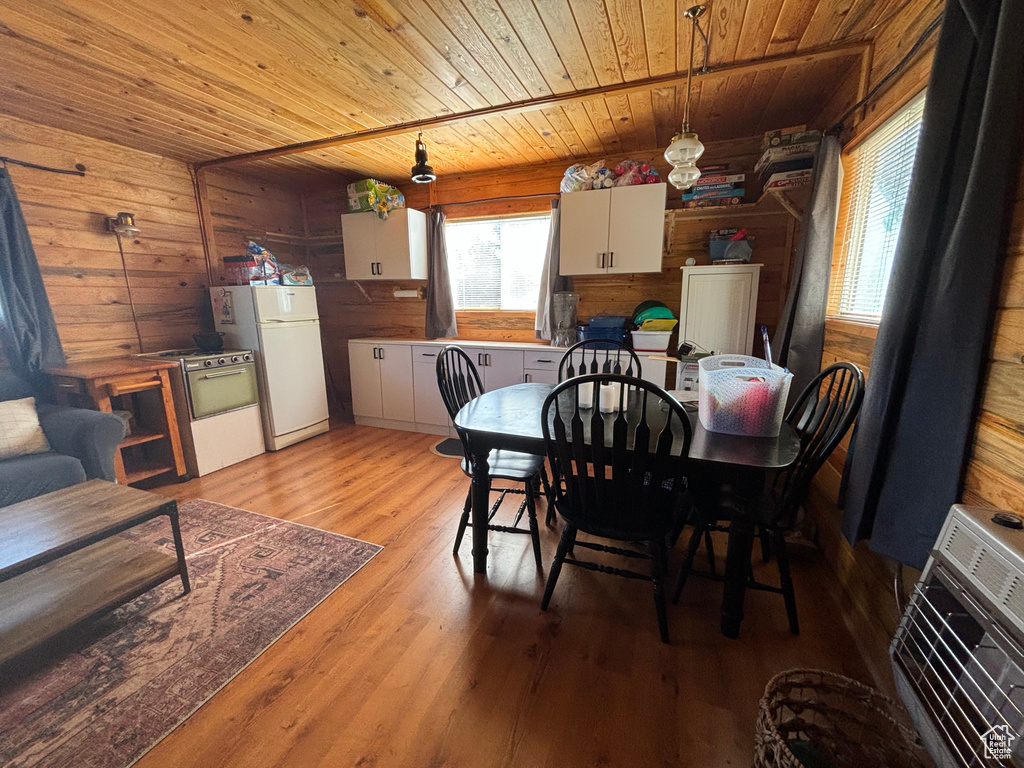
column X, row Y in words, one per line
column 164, row 271
column 347, row 313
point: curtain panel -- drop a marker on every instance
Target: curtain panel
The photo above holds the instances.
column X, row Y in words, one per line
column 800, row 337
column 440, row 319
column 28, row 333
column 550, row 281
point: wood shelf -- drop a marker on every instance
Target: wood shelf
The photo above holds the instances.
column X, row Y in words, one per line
column 309, row 240
column 771, row 203
column 39, row 604
column 140, row 436
column 140, row 470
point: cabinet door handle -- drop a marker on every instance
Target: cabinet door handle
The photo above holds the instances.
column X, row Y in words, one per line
column 480, row 358
column 487, row 361
column 429, row 354
column 375, row 353
column 601, row 261
column 611, row 259
column 379, row 270
column 545, row 361
column 526, row 377
column 381, row 353
column 373, row 268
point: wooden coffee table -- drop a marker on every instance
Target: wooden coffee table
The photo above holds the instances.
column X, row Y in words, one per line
column 62, row 563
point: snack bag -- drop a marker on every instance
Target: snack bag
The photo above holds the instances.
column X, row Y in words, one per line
column 263, row 269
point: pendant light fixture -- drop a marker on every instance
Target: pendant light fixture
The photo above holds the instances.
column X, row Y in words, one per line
column 686, row 149
column 421, row 172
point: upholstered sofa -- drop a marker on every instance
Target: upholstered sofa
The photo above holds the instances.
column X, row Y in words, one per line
column 83, row 443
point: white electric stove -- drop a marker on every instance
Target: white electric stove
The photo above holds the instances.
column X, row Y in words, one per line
column 216, row 399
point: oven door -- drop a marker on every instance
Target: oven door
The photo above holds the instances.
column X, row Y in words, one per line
column 218, row 390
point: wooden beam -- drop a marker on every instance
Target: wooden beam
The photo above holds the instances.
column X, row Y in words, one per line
column 205, row 224
column 546, row 102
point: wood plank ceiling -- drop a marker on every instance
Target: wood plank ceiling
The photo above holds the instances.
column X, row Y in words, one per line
column 196, row 80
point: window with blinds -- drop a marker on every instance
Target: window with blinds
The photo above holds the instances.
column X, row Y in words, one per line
column 877, row 179
column 497, row 263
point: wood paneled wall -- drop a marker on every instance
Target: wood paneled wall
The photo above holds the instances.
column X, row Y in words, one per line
column 347, row 313
column 241, row 208
column 995, row 474
column 164, row 271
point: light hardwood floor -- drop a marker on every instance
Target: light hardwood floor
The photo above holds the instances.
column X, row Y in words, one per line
column 417, row 662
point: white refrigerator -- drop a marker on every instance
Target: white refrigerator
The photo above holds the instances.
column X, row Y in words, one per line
column 280, row 324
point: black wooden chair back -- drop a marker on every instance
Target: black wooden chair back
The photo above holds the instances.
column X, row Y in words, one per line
column 598, row 356
column 621, row 472
column 822, row 415
column 459, row 382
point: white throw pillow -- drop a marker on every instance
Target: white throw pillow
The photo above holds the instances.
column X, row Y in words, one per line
column 20, row 431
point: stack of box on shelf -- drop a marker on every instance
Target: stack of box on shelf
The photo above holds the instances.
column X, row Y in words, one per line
column 787, row 157
column 716, row 186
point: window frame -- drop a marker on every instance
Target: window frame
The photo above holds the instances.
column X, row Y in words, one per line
column 493, row 217
column 845, row 218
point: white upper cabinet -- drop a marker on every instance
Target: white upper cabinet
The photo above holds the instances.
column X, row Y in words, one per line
column 617, row 230
column 395, row 249
column 583, row 234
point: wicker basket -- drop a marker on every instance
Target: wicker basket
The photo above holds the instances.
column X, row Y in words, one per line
column 814, row 719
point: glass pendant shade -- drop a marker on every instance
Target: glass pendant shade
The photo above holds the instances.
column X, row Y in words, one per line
column 683, row 153
column 686, row 148
column 684, row 176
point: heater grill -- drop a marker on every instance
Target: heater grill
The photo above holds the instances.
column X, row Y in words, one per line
column 957, row 654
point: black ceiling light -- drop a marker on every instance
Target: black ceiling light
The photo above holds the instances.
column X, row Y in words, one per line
column 421, row 172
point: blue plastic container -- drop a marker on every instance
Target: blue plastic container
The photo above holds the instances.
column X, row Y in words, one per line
column 588, row 332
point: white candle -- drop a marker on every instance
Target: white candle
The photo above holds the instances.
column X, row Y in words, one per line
column 610, row 394
column 586, row 393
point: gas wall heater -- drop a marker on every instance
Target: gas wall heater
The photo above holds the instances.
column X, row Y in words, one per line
column 957, row 654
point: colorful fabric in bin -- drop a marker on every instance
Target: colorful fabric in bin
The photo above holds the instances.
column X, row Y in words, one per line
column 373, row 195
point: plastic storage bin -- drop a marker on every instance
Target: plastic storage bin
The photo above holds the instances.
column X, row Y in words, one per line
column 651, row 341
column 742, row 395
column 588, row 332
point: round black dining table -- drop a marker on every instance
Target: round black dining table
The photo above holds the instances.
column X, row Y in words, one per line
column 510, row 419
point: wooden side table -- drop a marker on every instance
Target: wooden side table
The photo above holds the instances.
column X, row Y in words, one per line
column 141, row 387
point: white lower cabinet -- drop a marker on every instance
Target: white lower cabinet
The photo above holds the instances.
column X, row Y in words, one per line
column 428, row 405
column 382, row 382
column 653, row 370
column 498, row 367
column 394, row 384
column 541, row 366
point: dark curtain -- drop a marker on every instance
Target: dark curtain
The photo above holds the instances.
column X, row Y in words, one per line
column 918, row 412
column 28, row 333
column 800, row 337
column 440, row 304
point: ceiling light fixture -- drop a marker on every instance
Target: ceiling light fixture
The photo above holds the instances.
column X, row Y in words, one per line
column 686, row 149
column 421, row 172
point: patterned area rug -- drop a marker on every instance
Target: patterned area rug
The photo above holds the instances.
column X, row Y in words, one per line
column 124, row 681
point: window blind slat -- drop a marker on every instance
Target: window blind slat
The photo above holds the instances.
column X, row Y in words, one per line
column 497, row 263
column 879, row 180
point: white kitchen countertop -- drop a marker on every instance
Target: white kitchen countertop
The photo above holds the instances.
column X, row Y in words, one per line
column 523, row 345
